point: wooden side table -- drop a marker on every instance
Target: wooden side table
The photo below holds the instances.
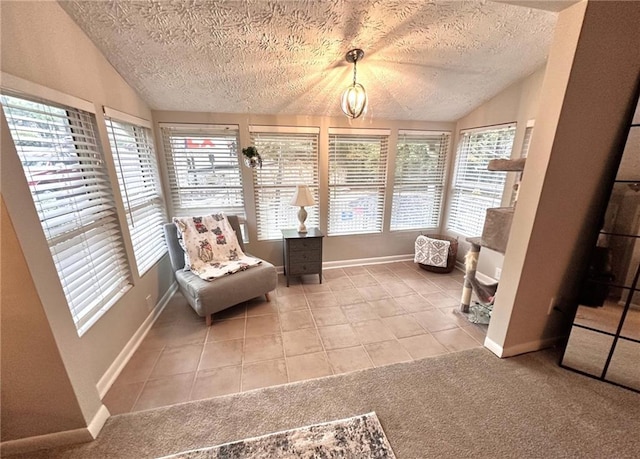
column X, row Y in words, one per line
column 302, row 252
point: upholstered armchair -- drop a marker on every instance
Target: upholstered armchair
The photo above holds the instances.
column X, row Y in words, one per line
column 209, row 297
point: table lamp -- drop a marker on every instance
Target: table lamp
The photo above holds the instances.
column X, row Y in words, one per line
column 302, row 197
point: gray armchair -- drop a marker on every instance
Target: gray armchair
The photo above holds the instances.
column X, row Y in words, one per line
column 207, row 298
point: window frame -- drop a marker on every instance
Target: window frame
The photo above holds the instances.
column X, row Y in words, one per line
column 148, row 243
column 73, row 196
column 416, row 183
column 474, row 191
column 285, row 215
column 175, row 169
column 340, row 188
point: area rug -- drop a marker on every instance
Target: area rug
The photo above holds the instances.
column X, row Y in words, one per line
column 359, row 437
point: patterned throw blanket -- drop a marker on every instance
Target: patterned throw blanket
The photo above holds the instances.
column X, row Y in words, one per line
column 431, row 252
column 211, row 246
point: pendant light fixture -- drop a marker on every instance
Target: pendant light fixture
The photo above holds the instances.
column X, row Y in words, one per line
column 354, row 98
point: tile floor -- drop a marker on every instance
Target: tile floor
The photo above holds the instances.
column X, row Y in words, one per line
column 358, row 318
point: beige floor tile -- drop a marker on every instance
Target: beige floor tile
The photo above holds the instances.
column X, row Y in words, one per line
column 355, row 270
column 456, row 339
column 315, row 288
column 477, row 332
column 372, row 331
column 408, row 273
column 447, row 283
column 304, row 341
column 329, row 316
column 421, row 346
column 378, row 268
column 221, row 354
column 165, row 391
column 234, row 312
column 175, row 360
column 223, row 330
column 403, row 326
column 333, row 273
column 413, row 303
column 120, row 399
column 364, row 280
column 216, row 382
column 373, row 292
column 157, row 338
column 293, row 289
column 296, row 320
column 322, row 300
column 340, row 283
column 260, row 348
column 292, row 302
column 264, row 374
column 349, row 359
column 351, row 296
column 359, row 312
column 441, row 300
column 139, row 367
column 338, row 336
column 262, row 325
column 308, row 366
column 261, row 307
column 192, row 332
column 455, row 315
column 387, row 352
column 456, row 294
column 433, row 320
column 385, row 277
column 423, row 286
column 397, row 288
column 386, row 307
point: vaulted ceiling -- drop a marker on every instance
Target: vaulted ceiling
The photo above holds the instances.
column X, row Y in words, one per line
column 424, row 60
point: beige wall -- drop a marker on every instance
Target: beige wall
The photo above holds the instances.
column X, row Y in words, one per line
column 518, row 103
column 37, row 397
column 336, row 248
column 587, row 99
column 40, row 43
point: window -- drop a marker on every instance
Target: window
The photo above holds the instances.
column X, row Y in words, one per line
column 475, row 189
column 137, row 169
column 64, row 166
column 526, row 143
column 357, row 180
column 203, row 168
column 419, row 179
column 289, row 157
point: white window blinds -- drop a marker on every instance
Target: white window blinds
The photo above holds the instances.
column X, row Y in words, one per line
column 526, row 143
column 357, row 180
column 288, row 159
column 137, row 168
column 475, row 189
column 204, row 172
column 419, row 180
column 64, row 166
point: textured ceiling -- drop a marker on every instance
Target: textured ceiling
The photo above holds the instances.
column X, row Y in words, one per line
column 424, row 60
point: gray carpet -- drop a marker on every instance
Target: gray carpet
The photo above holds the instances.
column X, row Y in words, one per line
column 468, row 404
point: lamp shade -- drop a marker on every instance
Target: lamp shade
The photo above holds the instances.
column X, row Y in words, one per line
column 302, row 197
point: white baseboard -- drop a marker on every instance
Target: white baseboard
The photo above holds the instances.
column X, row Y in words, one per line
column 366, row 261
column 359, row 262
column 107, row 379
column 522, row 348
column 52, row 440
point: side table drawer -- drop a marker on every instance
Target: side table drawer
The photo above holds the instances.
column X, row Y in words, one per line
column 298, row 245
column 305, row 257
column 312, row 267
